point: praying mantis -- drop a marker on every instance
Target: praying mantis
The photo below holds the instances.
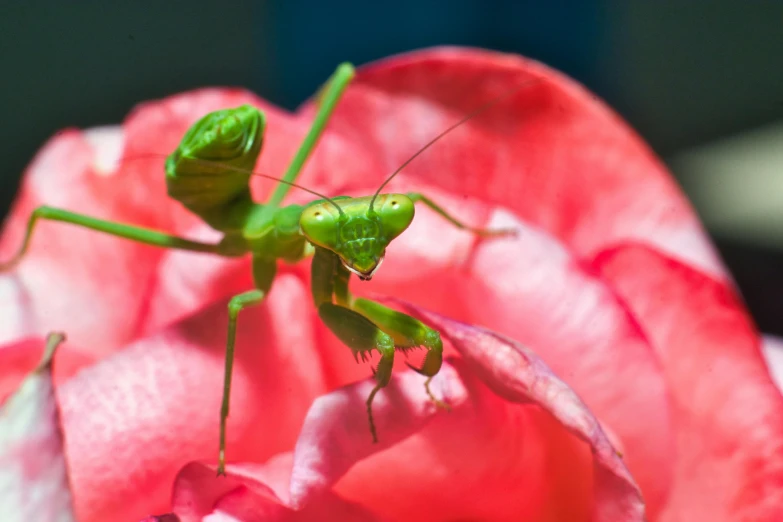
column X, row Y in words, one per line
column 209, row 173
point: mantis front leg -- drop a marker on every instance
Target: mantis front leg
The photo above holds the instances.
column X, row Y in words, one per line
column 139, row 234
column 364, row 325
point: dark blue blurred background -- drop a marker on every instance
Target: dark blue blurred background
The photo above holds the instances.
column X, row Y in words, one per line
column 682, row 73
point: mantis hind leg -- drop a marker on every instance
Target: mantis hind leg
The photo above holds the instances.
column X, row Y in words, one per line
column 481, row 232
column 264, row 270
column 139, row 234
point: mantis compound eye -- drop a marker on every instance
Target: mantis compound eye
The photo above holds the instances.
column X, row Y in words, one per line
column 396, row 212
column 319, row 224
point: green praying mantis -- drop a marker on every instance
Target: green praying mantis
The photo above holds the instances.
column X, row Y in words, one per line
column 209, row 173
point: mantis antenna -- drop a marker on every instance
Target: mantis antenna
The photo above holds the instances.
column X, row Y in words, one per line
column 243, row 171
column 469, row 116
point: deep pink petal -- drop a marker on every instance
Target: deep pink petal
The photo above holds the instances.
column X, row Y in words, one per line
column 728, row 411
column 33, row 470
column 133, row 420
column 507, row 461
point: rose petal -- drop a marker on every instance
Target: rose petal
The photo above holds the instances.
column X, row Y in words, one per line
column 475, row 441
column 249, row 494
column 87, row 283
column 33, row 471
column 155, row 405
column 553, row 154
column 517, row 374
column 728, row 412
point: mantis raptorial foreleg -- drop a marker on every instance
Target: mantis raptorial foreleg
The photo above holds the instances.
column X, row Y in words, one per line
column 407, row 332
column 142, row 235
column 264, row 270
column 364, row 325
column 362, row 336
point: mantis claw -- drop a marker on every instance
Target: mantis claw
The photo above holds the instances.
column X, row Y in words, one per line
column 439, row 403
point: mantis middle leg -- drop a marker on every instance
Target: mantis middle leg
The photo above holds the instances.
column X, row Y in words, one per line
column 264, row 270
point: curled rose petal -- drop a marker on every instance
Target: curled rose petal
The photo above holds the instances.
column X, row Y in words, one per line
column 34, row 482
column 335, row 438
column 253, row 493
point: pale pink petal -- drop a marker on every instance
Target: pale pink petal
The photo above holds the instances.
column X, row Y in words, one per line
column 73, row 279
column 728, row 411
column 134, row 419
column 34, row 482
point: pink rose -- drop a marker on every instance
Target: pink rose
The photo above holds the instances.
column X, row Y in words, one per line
column 661, row 392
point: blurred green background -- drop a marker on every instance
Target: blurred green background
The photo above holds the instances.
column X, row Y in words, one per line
column 702, row 82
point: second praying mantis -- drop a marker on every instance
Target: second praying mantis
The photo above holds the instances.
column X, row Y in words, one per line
column 209, row 173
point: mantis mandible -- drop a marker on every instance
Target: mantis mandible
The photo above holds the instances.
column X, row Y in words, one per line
column 209, row 173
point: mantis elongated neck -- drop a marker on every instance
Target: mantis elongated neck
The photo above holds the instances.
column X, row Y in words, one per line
column 329, row 99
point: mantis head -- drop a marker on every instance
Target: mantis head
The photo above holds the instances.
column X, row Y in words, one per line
column 358, row 230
